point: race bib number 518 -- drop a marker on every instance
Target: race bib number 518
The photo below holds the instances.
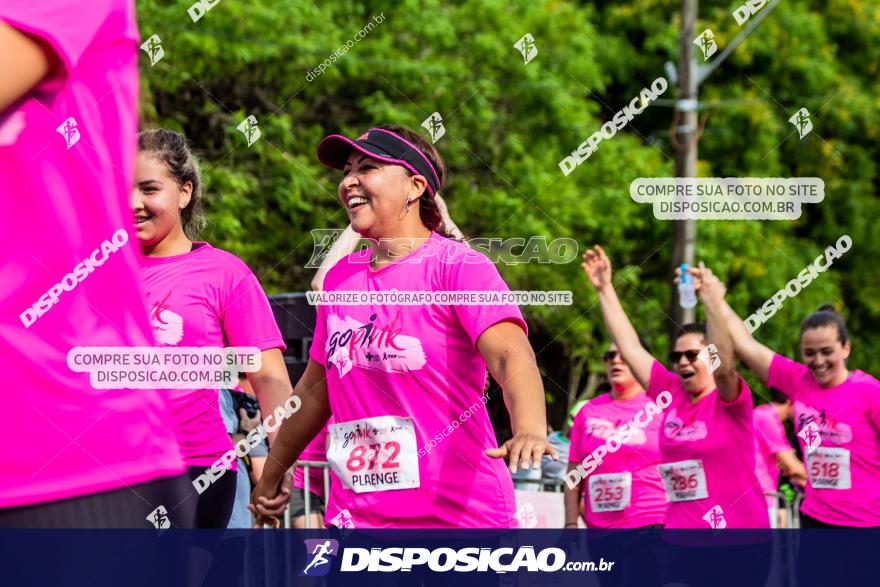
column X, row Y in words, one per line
column 829, row 468
column 374, row 454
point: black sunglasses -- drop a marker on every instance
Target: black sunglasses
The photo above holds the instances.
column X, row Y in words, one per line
column 675, row 356
column 610, row 355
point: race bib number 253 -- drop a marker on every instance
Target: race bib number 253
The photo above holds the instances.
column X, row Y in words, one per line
column 374, row 454
column 610, row 492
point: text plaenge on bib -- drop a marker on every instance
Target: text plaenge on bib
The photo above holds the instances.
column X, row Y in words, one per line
column 375, row 454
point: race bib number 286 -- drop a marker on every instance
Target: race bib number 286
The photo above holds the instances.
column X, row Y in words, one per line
column 684, row 480
column 374, row 454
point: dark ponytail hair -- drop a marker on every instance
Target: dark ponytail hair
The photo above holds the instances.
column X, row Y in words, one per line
column 826, row 315
column 429, row 212
column 171, row 150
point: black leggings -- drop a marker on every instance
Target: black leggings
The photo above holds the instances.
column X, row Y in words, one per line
column 812, row 565
column 811, row 522
column 735, row 565
column 127, row 507
column 641, row 554
column 214, row 505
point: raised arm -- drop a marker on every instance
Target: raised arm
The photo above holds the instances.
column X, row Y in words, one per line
column 597, row 266
column 755, row 355
column 711, row 292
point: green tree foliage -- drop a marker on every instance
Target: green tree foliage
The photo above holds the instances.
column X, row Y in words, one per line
column 508, row 124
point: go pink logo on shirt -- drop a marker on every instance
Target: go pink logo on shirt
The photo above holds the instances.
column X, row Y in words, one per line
column 830, row 429
column 676, row 429
column 371, row 346
column 604, row 429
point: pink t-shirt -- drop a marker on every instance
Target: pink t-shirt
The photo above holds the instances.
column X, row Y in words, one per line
column 60, row 203
column 206, row 298
column 417, row 366
column 763, row 474
column 721, row 437
column 848, row 419
column 594, row 424
column 315, row 451
column 770, row 435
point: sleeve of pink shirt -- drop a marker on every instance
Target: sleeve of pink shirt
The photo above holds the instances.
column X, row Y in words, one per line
column 662, row 379
column 874, row 413
column 785, row 375
column 744, row 405
column 319, row 337
column 247, row 316
column 770, row 432
column 484, row 276
column 67, row 27
column 873, row 402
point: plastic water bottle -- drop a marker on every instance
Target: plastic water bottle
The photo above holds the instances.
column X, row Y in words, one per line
column 686, row 297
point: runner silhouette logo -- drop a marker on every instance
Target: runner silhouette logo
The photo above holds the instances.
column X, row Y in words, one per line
column 319, row 556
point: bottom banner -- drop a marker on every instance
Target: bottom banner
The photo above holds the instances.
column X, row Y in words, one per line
column 245, row 558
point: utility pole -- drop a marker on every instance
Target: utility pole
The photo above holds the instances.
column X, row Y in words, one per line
column 686, row 148
column 688, row 77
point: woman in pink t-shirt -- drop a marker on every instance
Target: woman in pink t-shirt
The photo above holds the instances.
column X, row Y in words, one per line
column 707, row 440
column 412, row 445
column 709, row 476
column 69, row 276
column 626, row 490
column 199, row 296
column 836, row 416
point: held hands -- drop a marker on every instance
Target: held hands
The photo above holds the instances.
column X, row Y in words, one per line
column 269, row 500
column 524, row 449
column 707, row 285
column 597, row 266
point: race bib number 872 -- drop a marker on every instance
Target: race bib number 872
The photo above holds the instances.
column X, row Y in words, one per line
column 374, row 454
